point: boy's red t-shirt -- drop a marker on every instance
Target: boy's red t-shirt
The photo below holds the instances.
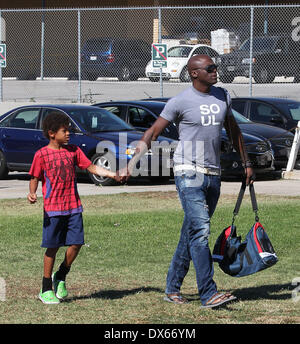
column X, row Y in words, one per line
column 56, row 169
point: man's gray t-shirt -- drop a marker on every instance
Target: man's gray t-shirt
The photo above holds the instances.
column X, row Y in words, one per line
column 199, row 120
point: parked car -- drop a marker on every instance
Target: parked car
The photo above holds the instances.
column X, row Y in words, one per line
column 142, row 114
column 125, row 59
column 279, row 112
column 178, row 57
column 105, row 139
column 281, row 140
column 272, row 56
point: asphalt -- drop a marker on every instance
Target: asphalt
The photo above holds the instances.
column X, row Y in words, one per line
column 16, row 186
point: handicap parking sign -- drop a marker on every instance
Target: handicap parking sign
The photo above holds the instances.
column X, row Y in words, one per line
column 2, row 55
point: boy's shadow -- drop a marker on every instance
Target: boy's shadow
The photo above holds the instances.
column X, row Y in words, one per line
column 115, row 294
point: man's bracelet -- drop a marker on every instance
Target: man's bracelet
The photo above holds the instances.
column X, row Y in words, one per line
column 247, row 164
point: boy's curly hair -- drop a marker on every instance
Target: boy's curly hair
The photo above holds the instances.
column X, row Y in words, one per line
column 54, row 121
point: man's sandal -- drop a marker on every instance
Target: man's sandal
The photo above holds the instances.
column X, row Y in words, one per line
column 175, row 298
column 218, row 299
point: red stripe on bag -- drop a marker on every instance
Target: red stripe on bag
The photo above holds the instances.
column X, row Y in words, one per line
column 225, row 237
column 255, row 236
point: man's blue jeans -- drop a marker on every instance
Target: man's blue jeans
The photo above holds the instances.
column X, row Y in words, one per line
column 199, row 194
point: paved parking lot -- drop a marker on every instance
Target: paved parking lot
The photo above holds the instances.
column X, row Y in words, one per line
column 16, row 186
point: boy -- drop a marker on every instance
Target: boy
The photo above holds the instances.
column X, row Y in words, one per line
column 55, row 165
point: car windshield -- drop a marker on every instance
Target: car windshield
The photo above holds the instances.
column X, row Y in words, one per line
column 97, row 44
column 99, row 120
column 240, row 118
column 179, row 51
column 259, row 43
column 292, row 108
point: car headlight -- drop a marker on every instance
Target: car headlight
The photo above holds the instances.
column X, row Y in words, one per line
column 248, row 60
column 261, row 147
column 130, row 152
column 175, row 64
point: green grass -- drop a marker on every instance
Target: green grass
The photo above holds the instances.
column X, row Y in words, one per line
column 119, row 276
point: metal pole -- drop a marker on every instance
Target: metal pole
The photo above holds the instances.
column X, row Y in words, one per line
column 42, row 43
column 1, row 85
column 79, row 60
column 159, row 41
column 251, row 52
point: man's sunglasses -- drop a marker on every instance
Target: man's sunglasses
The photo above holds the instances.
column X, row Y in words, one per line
column 210, row 69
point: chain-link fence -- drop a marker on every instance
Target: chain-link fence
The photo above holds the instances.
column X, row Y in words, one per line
column 74, row 55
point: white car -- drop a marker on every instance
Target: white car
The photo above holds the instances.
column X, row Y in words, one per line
column 178, row 57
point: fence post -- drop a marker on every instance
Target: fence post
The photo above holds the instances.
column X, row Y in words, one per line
column 79, row 59
column 1, row 84
column 159, row 41
column 42, row 43
column 251, row 51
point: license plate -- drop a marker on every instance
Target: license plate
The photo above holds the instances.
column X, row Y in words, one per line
column 93, row 58
column 230, row 68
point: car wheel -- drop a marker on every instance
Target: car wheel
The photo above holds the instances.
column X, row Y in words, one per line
column 3, row 166
column 153, row 79
column 26, row 76
column 226, row 78
column 297, row 79
column 264, row 76
column 107, row 161
column 124, row 74
column 184, row 75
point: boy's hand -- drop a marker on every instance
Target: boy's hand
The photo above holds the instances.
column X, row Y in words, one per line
column 32, row 197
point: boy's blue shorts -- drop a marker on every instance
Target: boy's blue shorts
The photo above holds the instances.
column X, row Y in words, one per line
column 63, row 231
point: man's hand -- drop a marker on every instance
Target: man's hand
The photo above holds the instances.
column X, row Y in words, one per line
column 250, row 175
column 32, row 197
column 123, row 175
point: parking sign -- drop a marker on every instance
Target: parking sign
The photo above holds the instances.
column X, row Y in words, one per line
column 2, row 55
column 159, row 55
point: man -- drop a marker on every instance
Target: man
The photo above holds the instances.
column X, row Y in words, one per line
column 199, row 112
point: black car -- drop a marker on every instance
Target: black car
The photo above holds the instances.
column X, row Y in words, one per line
column 272, row 56
column 279, row 112
column 142, row 114
column 125, row 59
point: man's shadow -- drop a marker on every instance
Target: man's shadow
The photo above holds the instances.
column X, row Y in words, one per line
column 267, row 292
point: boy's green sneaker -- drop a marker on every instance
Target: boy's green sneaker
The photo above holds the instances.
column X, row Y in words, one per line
column 48, row 297
column 59, row 288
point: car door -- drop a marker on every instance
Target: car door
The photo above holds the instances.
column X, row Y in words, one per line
column 266, row 114
column 240, row 106
column 18, row 136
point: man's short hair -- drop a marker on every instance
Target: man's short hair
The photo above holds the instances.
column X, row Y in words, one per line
column 54, row 121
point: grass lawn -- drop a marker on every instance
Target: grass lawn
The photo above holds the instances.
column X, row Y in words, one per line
column 119, row 275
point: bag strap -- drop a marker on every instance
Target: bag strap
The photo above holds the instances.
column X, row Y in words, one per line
column 240, row 198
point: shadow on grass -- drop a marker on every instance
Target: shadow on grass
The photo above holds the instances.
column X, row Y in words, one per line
column 115, row 294
column 267, row 292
